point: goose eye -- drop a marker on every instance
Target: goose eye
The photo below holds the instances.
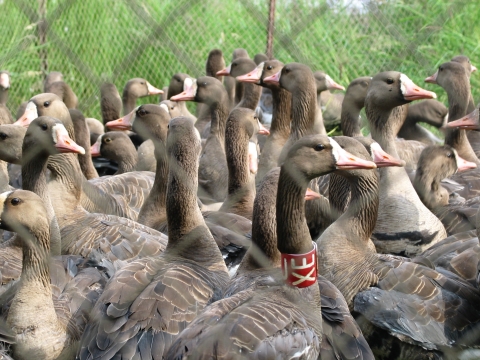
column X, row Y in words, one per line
column 46, row 103
column 172, row 108
column 15, row 201
column 390, row 81
column 142, row 112
column 286, row 71
column 3, row 136
column 107, row 140
column 233, row 64
column 204, row 84
column 269, row 67
column 449, row 155
column 441, row 69
column 142, row 83
column 44, row 127
column 168, row 126
column 319, row 147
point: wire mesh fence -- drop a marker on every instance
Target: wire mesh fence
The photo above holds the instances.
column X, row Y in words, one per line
column 91, row 41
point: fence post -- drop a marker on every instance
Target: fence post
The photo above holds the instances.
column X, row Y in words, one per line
column 42, row 35
column 271, row 27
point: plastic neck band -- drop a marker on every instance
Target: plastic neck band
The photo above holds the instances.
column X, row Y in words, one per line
column 300, row 270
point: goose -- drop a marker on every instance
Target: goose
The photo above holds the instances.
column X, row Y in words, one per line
column 82, row 233
column 110, row 102
column 49, row 309
column 353, row 103
column 135, row 88
column 82, row 137
column 387, row 290
column 213, row 172
column 251, row 91
column 5, row 115
column 242, row 159
column 239, row 87
column 64, row 92
column 280, row 127
column 116, row 146
column 415, row 227
column 328, row 105
column 455, row 81
column 430, row 111
column 435, row 164
column 52, row 76
column 274, row 314
column 121, row 195
column 177, row 84
column 95, row 128
column 151, row 122
column 151, row 300
column 298, row 79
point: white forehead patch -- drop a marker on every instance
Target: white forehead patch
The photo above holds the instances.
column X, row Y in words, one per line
column 375, row 146
column 5, row 80
column 198, row 134
column 336, row 148
column 188, row 82
column 328, row 79
column 58, row 129
column 165, row 107
column 404, row 79
column 99, row 140
column 3, row 197
column 32, row 108
column 457, row 160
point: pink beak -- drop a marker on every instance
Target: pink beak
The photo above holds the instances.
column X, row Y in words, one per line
column 468, row 122
column 273, row 79
column 432, row 79
column 225, row 72
column 382, row 159
column 262, row 130
column 124, row 123
column 28, row 116
column 412, row 92
column 332, row 85
column 187, row 95
column 253, row 76
column 65, row 144
column 310, row 195
column 152, row 90
column 463, row 165
column 347, row 161
column 95, row 148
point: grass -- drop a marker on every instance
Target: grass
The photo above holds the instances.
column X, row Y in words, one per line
column 92, row 41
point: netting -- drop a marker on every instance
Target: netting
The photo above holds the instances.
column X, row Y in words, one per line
column 91, row 41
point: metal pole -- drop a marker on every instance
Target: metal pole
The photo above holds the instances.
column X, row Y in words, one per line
column 42, row 34
column 271, row 27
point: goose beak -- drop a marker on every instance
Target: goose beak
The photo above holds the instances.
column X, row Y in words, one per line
column 124, row 123
column 189, row 91
column 332, row 85
column 95, row 148
column 468, row 122
column 253, row 76
column 273, row 79
column 252, row 157
column 432, row 79
column 346, row 161
column 310, row 195
column 28, row 116
column 382, row 159
column 5, row 81
column 225, row 72
column 474, row 68
column 262, row 130
column 152, row 90
column 412, row 92
column 463, row 165
column 64, row 143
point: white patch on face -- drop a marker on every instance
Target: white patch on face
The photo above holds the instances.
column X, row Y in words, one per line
column 457, row 161
column 32, row 108
column 5, row 80
column 445, row 120
column 165, row 107
column 99, row 140
column 335, row 148
column 329, row 80
column 404, row 79
column 58, row 129
column 198, row 134
column 375, row 146
column 188, row 82
column 3, row 197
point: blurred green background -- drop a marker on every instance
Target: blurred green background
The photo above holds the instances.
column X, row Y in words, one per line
column 90, row 41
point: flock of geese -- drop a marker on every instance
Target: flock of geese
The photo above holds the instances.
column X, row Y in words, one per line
column 243, row 231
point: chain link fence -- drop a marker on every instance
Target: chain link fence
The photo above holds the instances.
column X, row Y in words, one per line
column 92, row 41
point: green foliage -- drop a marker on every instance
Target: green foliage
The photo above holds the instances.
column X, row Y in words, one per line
column 91, row 41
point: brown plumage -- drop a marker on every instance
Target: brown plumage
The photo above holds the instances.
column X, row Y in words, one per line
column 329, row 105
column 82, row 137
column 135, row 88
column 153, row 299
column 116, row 146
